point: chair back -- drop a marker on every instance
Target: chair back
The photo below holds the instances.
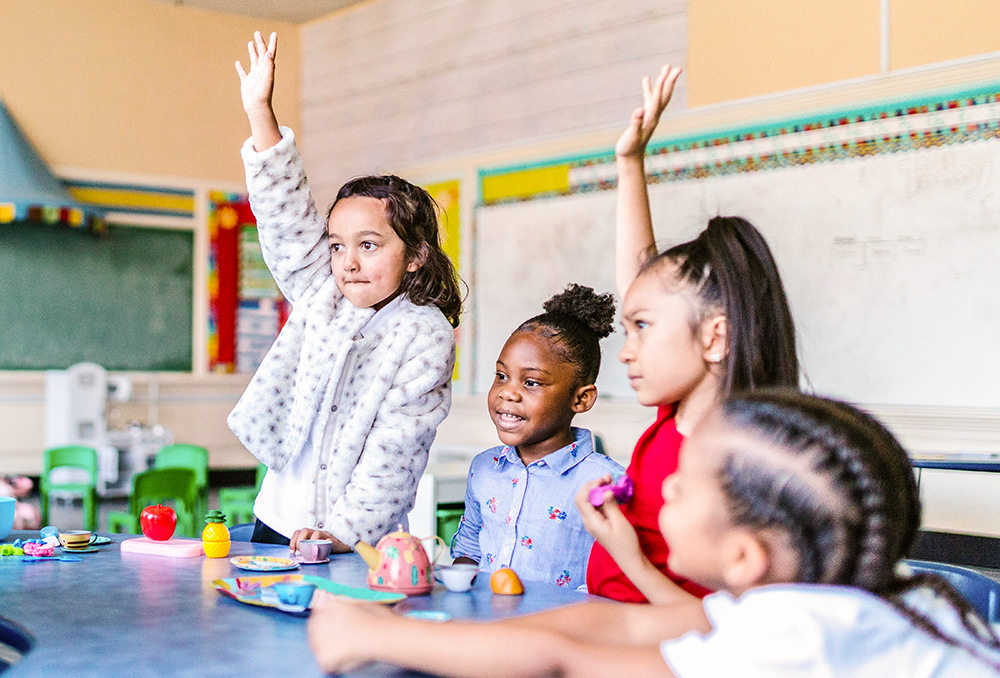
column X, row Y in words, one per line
column 157, row 486
column 73, row 456
column 981, row 591
column 183, row 455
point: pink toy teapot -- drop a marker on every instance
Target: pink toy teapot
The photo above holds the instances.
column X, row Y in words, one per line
column 399, row 563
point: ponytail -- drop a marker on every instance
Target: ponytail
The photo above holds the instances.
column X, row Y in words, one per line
column 733, row 273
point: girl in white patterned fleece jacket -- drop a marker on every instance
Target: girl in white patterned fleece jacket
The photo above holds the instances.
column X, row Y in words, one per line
column 345, row 405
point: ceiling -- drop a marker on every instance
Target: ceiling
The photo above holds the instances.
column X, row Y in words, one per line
column 291, row 11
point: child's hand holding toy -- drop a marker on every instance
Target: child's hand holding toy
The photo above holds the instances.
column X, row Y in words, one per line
column 604, row 519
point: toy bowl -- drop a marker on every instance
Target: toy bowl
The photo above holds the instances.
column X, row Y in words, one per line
column 7, row 505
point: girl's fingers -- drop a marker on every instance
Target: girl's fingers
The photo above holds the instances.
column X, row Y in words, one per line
column 252, row 49
column 240, row 72
column 272, row 45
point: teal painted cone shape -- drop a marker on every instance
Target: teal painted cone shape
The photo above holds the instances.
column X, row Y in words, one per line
column 26, row 181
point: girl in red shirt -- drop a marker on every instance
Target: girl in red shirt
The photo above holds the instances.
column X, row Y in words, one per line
column 702, row 319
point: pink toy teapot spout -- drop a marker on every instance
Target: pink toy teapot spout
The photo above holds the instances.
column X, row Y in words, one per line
column 399, row 563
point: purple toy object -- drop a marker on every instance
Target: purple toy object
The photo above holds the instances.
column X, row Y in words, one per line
column 621, row 489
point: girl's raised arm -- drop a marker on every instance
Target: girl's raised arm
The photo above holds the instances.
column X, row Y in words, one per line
column 634, row 241
column 256, row 88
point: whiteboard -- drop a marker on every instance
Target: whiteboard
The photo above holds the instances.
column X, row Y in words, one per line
column 891, row 264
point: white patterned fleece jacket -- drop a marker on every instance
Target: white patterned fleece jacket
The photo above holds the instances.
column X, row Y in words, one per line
column 383, row 394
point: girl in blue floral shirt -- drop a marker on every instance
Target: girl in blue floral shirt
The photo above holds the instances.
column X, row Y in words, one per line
column 519, row 501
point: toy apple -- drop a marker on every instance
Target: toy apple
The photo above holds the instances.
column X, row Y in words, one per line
column 158, row 522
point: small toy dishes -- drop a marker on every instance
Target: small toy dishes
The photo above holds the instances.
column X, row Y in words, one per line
column 457, row 578
column 264, row 563
column 505, row 582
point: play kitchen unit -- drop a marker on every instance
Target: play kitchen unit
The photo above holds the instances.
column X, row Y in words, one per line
column 77, row 403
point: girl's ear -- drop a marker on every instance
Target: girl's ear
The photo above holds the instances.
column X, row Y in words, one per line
column 714, row 341
column 419, row 260
column 748, row 564
column 584, row 398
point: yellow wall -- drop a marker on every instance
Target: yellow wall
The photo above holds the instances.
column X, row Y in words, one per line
column 745, row 48
column 927, row 31
column 135, row 86
column 742, row 48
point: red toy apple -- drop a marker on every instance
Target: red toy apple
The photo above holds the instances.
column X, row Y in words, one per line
column 158, row 522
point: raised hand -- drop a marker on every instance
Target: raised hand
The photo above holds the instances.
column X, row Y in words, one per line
column 656, row 96
column 257, row 86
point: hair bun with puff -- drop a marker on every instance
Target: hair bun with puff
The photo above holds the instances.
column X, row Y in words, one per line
column 595, row 311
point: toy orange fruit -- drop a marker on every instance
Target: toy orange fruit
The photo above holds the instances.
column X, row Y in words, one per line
column 506, row 582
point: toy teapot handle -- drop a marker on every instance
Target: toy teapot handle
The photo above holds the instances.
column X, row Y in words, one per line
column 439, row 551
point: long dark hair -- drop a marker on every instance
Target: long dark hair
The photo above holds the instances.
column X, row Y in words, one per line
column 842, row 489
column 576, row 320
column 412, row 213
column 732, row 271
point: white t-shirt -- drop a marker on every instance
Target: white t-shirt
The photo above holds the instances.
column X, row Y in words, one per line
column 286, row 501
column 812, row 631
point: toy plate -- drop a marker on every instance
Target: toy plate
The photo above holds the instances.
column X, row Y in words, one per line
column 255, row 591
column 264, row 563
column 88, row 549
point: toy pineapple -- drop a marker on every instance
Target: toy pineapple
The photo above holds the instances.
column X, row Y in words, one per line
column 215, row 536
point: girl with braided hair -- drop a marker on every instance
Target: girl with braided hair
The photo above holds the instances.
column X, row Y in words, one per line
column 519, row 510
column 796, row 510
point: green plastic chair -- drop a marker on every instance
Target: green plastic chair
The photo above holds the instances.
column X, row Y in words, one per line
column 194, row 457
column 173, row 486
column 72, row 456
column 237, row 502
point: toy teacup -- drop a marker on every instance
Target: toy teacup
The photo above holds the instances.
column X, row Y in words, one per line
column 76, row 539
column 294, row 592
column 457, row 578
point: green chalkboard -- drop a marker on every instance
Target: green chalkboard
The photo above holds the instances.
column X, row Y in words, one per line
column 123, row 302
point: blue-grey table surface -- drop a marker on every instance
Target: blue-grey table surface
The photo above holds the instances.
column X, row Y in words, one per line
column 127, row 614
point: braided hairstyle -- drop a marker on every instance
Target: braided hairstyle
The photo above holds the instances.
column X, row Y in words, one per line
column 840, row 487
column 575, row 320
column 412, row 213
column 732, row 272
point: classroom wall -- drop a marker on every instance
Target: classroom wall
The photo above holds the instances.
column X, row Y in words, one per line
column 134, row 91
column 442, row 88
column 134, row 86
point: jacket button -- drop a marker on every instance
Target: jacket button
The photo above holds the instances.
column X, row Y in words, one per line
column 320, row 526
column 333, row 409
column 322, row 466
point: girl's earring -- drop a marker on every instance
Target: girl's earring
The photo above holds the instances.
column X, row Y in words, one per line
column 715, row 358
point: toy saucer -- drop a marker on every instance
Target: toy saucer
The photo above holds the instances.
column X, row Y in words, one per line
column 88, row 549
column 300, row 560
column 264, row 563
column 98, row 541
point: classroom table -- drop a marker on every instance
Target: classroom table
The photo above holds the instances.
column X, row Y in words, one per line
column 126, row 614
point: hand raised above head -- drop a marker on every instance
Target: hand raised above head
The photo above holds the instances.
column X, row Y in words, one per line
column 257, row 84
column 643, row 122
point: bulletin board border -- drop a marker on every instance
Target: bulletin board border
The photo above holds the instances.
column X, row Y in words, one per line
column 926, row 121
